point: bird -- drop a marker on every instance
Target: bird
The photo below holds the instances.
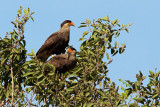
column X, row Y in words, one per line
column 64, row 62
column 56, row 42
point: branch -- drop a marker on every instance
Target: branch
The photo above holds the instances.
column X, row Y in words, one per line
column 12, row 76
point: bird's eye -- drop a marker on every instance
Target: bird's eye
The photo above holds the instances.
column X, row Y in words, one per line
column 71, row 23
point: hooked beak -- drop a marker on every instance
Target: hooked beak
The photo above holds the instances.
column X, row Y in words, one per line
column 72, row 24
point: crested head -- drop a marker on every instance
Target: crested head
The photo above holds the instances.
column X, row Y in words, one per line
column 71, row 53
column 70, row 47
column 68, row 22
column 71, row 50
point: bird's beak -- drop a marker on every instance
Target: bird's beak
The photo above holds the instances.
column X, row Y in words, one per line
column 72, row 24
column 67, row 51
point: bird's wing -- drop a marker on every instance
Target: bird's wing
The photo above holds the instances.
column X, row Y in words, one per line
column 49, row 43
column 59, row 60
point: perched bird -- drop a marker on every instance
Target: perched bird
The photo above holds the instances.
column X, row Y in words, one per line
column 56, row 43
column 64, row 62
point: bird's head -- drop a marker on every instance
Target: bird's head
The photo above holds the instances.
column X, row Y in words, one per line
column 67, row 23
column 71, row 51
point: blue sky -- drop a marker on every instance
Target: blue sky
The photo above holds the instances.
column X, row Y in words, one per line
column 142, row 41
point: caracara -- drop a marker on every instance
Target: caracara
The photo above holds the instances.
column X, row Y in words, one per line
column 56, row 43
column 64, row 62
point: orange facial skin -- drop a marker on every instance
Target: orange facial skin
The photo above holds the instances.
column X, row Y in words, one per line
column 69, row 50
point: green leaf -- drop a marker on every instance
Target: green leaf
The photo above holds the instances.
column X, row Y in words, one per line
column 115, row 43
column 20, row 44
column 7, row 93
column 16, row 50
column 112, row 50
column 40, row 80
column 29, row 54
column 6, row 50
column 6, row 40
column 107, row 56
column 87, row 94
column 26, row 12
column 40, row 76
column 143, row 77
column 101, row 93
column 106, row 39
column 70, row 89
column 20, row 11
column 83, row 23
column 84, row 105
column 21, row 8
column 3, row 60
column 85, row 33
column 29, row 89
column 82, row 26
column 100, row 83
column 120, row 79
column 115, row 52
column 32, row 18
column 155, row 95
column 51, row 73
column 81, row 39
column 152, row 73
column 19, row 22
column 27, row 73
column 32, row 52
column 113, row 22
column 90, row 104
column 127, row 30
column 105, row 18
column 15, row 25
column 89, row 21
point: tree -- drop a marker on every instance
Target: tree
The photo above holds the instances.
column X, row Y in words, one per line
column 12, row 58
column 86, row 85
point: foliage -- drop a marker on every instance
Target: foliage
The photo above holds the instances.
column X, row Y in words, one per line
column 86, row 85
column 149, row 95
column 12, row 57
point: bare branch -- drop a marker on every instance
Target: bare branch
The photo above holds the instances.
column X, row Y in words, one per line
column 12, row 76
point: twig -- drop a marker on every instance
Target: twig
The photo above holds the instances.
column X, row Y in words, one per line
column 88, row 26
column 130, row 99
column 63, row 97
column 30, row 100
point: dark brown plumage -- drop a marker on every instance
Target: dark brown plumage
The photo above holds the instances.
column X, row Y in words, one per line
column 64, row 62
column 56, row 43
